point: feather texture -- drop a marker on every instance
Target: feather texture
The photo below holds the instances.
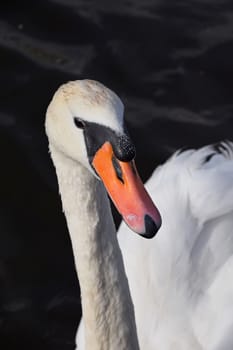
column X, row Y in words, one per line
column 181, row 281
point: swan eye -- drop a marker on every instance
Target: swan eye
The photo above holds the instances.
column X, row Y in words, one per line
column 79, row 123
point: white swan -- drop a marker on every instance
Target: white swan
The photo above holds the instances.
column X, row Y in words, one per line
column 181, row 281
column 87, row 136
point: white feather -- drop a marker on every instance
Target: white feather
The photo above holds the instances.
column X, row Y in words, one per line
column 181, row 282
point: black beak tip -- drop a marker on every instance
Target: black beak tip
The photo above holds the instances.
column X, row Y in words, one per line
column 150, row 227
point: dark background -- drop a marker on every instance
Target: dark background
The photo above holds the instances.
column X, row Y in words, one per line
column 172, row 64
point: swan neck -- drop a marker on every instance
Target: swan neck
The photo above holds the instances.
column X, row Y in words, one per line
column 108, row 312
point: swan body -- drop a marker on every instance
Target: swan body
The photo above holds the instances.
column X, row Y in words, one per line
column 186, row 298
column 181, row 281
column 88, row 141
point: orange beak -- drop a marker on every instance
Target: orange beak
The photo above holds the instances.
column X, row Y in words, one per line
column 127, row 192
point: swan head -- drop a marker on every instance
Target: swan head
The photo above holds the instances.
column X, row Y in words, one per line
column 85, row 122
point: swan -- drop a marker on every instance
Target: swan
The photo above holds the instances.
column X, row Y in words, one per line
column 88, row 141
column 181, row 281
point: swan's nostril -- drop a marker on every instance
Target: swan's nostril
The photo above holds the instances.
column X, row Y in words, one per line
column 150, row 227
column 117, row 168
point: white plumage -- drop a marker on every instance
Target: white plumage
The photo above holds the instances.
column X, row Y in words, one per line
column 181, row 282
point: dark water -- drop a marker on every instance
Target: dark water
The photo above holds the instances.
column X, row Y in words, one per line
column 170, row 61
